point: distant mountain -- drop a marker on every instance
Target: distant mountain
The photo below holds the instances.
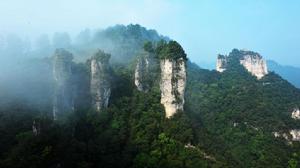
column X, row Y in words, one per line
column 289, row 73
column 206, row 65
column 124, row 43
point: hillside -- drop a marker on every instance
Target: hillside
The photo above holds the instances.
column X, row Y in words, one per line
column 240, row 114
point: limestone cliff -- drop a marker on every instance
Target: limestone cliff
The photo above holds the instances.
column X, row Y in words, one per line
column 253, row 62
column 63, row 90
column 167, row 63
column 255, row 65
column 141, row 72
column 100, row 80
column 146, row 71
column 173, row 82
column 221, row 63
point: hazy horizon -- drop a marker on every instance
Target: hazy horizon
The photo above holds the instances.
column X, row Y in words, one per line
column 203, row 28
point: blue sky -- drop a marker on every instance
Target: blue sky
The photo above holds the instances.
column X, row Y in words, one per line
column 204, row 27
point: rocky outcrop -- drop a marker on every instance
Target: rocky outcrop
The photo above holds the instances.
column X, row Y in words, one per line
column 173, row 81
column 100, row 80
column 63, row 90
column 295, row 135
column 142, row 73
column 253, row 62
column 167, row 63
column 255, row 65
column 221, row 63
column 292, row 135
column 296, row 114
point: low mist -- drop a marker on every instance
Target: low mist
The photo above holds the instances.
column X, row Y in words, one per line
column 26, row 64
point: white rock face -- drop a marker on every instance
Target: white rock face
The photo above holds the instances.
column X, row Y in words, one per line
column 296, row 114
column 295, row 134
column 221, row 63
column 283, row 135
column 100, row 84
column 252, row 61
column 255, row 65
column 173, row 81
column 141, row 72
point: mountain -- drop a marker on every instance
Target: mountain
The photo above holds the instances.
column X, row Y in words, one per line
column 289, row 73
column 155, row 109
column 123, row 42
column 246, row 119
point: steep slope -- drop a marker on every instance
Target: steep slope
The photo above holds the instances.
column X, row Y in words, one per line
column 100, row 80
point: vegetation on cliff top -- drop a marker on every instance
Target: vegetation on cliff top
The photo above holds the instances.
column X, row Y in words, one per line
column 101, row 56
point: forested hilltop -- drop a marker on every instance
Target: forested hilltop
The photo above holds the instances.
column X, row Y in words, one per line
column 129, row 97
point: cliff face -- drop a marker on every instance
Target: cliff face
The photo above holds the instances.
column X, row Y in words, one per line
column 173, row 82
column 141, row 74
column 253, row 62
column 63, row 90
column 255, row 65
column 100, row 80
column 167, row 63
column 296, row 114
column 221, row 63
column 295, row 135
column 146, row 71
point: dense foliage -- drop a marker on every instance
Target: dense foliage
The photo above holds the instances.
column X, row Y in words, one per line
column 102, row 56
column 170, row 50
